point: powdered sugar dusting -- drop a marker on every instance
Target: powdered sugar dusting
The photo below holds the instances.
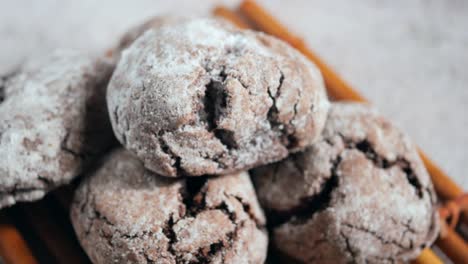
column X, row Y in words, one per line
column 40, row 102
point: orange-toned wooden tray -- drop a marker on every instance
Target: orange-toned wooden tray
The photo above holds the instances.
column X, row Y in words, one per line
column 41, row 232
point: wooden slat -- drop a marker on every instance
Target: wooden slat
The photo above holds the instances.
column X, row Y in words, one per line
column 13, row 248
column 445, row 187
column 453, row 246
column 427, row 256
column 51, row 224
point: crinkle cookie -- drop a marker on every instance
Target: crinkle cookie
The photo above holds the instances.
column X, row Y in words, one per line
column 127, row 214
column 53, row 118
column 360, row 194
column 201, row 97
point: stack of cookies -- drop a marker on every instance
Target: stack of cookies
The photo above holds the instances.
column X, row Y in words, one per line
column 195, row 104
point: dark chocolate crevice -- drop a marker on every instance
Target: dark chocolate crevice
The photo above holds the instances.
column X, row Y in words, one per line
column 378, row 236
column 349, row 248
column 167, row 150
column 407, row 228
column 320, row 201
column 272, row 115
column 297, row 161
column 98, row 215
column 367, row 149
column 292, row 140
column 64, row 147
column 309, row 205
column 377, row 259
column 17, row 191
column 215, row 104
column 247, row 208
column 215, row 248
column 46, row 182
column 2, row 91
column 4, row 82
column 168, row 231
column 273, row 111
column 193, row 198
column 227, row 138
column 214, row 93
column 94, row 216
column 223, row 207
column 412, row 178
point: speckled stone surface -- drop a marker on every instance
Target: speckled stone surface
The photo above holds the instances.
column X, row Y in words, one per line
column 358, row 195
column 408, row 57
column 126, row 214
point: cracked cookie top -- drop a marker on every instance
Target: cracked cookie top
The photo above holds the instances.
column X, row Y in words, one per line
column 200, row 97
column 360, row 194
column 127, row 214
column 52, row 118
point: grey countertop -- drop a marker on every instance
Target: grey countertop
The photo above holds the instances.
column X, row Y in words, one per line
column 410, row 58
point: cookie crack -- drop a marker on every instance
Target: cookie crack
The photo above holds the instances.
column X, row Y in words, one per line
column 194, row 201
column 273, row 112
column 406, row 225
column 373, row 259
column 65, row 148
column 148, row 259
column 16, row 191
column 248, row 210
column 168, row 231
column 94, row 215
column 4, row 79
column 376, row 235
column 193, row 197
column 2, row 91
column 291, row 136
column 214, row 104
column 312, row 204
column 177, row 160
column 365, row 147
column 348, row 247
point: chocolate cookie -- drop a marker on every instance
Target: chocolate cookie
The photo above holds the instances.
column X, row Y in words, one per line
column 53, row 118
column 360, row 194
column 127, row 214
column 200, row 97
